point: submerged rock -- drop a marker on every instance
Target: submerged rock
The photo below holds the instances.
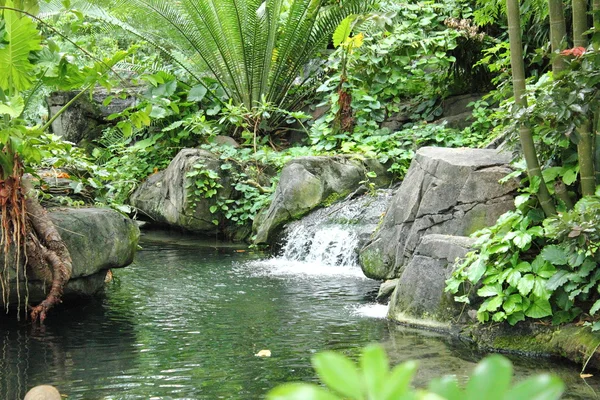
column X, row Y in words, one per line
column 446, row 191
column 307, row 183
column 97, row 239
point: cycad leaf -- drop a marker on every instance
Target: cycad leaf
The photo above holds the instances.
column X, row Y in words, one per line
column 23, row 38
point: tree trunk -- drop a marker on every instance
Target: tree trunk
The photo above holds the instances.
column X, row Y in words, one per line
column 525, row 136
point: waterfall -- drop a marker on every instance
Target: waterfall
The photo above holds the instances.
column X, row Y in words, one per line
column 326, row 241
column 328, row 244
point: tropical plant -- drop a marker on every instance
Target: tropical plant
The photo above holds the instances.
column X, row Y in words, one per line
column 254, row 50
column 373, row 380
column 28, row 62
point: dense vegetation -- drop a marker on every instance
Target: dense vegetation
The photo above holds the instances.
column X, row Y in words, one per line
column 257, row 71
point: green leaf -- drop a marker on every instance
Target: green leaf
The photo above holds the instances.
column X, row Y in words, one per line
column 540, row 290
column 513, row 278
column 446, row 387
column 339, row 374
column 595, row 307
column 558, row 279
column 398, row 381
column 522, row 240
column 197, row 93
column 512, row 303
column 555, row 255
column 375, row 368
column 490, row 379
column 542, row 267
column 14, row 107
column 540, row 308
column 300, row 391
column 343, row 31
column 516, row 317
column 570, row 176
column 23, row 38
column 488, row 290
column 541, row 387
column 493, row 303
column 476, row 270
column 525, row 285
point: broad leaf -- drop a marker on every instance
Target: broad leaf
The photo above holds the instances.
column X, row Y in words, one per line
column 398, row 381
column 375, row 368
column 476, row 270
column 197, row 93
column 555, row 255
column 490, row 379
column 23, row 38
column 558, row 279
column 343, row 31
column 14, row 107
column 539, row 309
column 526, row 284
column 542, row 387
column 338, row 373
column 300, row 391
column 447, row 387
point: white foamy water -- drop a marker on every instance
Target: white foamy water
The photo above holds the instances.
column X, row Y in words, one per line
column 373, row 310
column 333, row 245
column 285, row 267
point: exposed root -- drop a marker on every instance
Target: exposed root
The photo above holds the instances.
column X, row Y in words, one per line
column 46, row 249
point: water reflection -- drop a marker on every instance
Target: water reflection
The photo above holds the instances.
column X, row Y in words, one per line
column 185, row 321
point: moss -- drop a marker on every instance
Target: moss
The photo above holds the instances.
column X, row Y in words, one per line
column 373, row 264
column 331, row 199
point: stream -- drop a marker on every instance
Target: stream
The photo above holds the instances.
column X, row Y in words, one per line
column 185, row 320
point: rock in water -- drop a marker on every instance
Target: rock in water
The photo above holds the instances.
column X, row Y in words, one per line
column 43, row 392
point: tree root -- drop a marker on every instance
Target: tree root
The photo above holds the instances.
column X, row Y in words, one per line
column 46, row 251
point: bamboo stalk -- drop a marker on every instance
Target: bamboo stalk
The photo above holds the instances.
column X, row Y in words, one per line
column 558, row 31
column 585, row 147
column 525, row 135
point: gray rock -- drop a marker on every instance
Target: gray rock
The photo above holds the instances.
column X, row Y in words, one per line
column 309, row 182
column 97, row 239
column 385, row 290
column 84, row 120
column 420, row 290
column 167, row 197
column 446, row 191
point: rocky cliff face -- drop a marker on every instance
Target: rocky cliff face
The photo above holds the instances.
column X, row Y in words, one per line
column 446, row 191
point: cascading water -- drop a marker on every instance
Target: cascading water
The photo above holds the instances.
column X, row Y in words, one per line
column 326, row 241
column 331, row 245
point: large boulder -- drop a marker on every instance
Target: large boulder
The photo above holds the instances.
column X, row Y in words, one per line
column 310, row 182
column 168, row 197
column 83, row 121
column 446, row 191
column 97, row 239
column 419, row 291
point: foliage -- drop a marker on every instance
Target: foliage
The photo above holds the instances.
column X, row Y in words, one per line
column 253, row 50
column 536, row 267
column 408, row 62
column 491, row 379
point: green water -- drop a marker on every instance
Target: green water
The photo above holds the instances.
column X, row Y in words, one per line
column 185, row 321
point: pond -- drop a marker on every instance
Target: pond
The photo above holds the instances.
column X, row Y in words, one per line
column 187, row 318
